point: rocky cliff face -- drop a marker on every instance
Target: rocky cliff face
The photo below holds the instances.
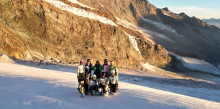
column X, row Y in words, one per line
column 176, row 32
column 129, row 32
column 33, row 30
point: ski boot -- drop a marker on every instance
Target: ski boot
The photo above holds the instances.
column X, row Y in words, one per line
column 78, row 90
column 91, row 93
column 82, row 95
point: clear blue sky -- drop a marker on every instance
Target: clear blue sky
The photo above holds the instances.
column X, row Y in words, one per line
column 198, row 8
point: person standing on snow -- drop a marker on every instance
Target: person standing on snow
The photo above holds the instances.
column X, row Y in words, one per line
column 105, row 67
column 113, row 69
column 98, row 70
column 88, row 68
column 113, row 82
column 80, row 73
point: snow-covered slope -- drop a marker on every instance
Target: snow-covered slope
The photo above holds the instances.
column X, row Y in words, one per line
column 198, row 65
column 54, row 87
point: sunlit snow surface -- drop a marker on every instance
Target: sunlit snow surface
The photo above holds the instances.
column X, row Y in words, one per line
column 30, row 86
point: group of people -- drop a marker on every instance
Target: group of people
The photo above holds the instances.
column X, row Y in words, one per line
column 98, row 79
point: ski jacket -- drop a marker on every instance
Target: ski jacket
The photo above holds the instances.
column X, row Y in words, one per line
column 113, row 80
column 98, row 70
column 88, row 69
column 105, row 68
column 80, row 69
column 92, row 83
column 114, row 69
column 104, row 81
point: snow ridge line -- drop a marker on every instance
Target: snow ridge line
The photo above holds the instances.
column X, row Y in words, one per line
column 80, row 12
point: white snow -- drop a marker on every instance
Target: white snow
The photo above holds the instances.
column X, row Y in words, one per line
column 143, row 31
column 162, row 36
column 31, row 87
column 161, row 26
column 5, row 58
column 148, row 67
column 198, row 65
column 80, row 12
column 133, row 42
column 83, row 5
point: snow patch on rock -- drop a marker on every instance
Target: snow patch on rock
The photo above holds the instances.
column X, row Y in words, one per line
column 161, row 26
column 143, row 31
column 197, row 65
column 133, row 42
column 80, row 12
column 162, row 36
column 83, row 5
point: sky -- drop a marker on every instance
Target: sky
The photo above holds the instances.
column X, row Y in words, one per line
column 198, row 8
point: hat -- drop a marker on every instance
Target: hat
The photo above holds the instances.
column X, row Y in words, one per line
column 88, row 60
column 81, row 61
column 94, row 77
column 105, row 60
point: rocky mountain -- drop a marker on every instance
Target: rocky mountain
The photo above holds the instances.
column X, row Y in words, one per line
column 129, row 32
column 213, row 21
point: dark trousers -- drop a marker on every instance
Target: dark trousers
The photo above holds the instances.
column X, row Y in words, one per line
column 113, row 88
column 81, row 77
column 103, row 88
column 86, row 88
column 93, row 88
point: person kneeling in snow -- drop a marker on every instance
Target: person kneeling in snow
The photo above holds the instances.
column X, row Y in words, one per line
column 104, row 82
column 113, row 83
column 93, row 85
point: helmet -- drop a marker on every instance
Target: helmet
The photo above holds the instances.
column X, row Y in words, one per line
column 94, row 77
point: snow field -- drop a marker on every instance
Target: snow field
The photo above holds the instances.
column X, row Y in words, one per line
column 31, row 87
